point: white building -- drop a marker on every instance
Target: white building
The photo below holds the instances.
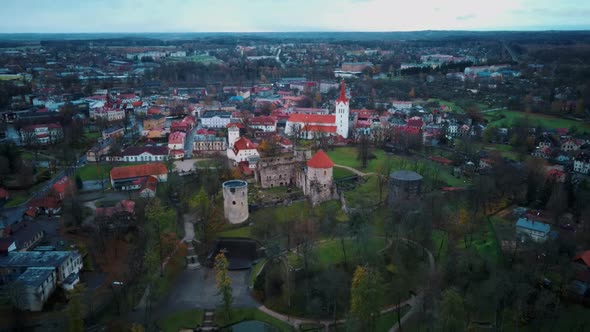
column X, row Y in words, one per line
column 265, row 123
column 243, row 150
column 233, row 133
column 215, row 119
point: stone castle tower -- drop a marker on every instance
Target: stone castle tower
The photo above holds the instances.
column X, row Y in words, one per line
column 342, row 112
column 317, row 178
column 235, row 201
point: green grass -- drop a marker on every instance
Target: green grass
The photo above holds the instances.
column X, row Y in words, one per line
column 365, row 194
column 545, row 121
column 505, row 150
column 347, row 156
column 451, row 106
column 330, row 252
column 239, row 315
column 188, row 319
column 93, row 172
column 387, row 320
column 485, row 243
column 341, row 173
column 245, row 231
column 16, row 199
column 93, row 135
column 255, row 269
column 440, row 246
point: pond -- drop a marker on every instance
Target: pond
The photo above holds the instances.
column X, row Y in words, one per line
column 251, row 326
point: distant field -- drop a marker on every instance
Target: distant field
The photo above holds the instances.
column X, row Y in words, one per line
column 204, row 59
column 453, row 107
column 506, row 118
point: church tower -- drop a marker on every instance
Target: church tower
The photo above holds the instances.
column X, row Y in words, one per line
column 342, row 112
column 233, row 133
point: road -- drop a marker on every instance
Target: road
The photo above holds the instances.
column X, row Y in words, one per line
column 14, row 214
column 188, row 142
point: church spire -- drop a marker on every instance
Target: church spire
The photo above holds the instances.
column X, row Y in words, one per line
column 342, row 97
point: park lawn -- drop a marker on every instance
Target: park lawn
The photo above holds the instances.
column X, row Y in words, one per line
column 329, row 252
column 485, row 243
column 92, row 135
column 453, row 108
column 341, row 173
column 187, row 319
column 245, row 231
column 91, row 172
column 546, row 121
column 365, row 194
column 387, row 320
column 243, row 314
column 347, row 156
column 505, row 150
column 17, row 199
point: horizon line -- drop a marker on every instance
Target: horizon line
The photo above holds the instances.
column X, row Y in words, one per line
column 315, row 31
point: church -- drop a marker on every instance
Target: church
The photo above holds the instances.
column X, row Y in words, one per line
column 309, row 126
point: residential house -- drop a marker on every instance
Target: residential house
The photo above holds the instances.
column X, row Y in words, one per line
column 62, row 187
column 535, row 230
column 99, row 150
column 144, row 153
column 208, row 143
column 176, row 142
column 582, row 163
column 215, row 119
column 154, row 122
column 113, row 132
column 41, row 134
column 133, row 177
column 243, row 150
column 36, row 284
column 571, row 144
column 107, row 113
column 264, row 123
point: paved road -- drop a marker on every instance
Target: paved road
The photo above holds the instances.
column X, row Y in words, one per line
column 196, row 289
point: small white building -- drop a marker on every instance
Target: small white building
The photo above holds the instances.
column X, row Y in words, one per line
column 242, row 150
column 535, row 230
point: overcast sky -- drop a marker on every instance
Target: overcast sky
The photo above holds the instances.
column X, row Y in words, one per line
column 289, row 15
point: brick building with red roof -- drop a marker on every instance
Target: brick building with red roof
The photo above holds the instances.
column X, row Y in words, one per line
column 133, row 177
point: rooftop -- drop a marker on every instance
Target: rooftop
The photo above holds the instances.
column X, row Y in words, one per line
column 533, row 225
column 320, row 160
column 35, row 258
column 405, row 176
column 35, row 276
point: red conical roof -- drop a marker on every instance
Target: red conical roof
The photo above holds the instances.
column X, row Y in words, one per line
column 320, row 160
column 342, row 97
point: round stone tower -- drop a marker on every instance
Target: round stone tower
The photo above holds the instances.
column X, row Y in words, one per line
column 404, row 186
column 235, row 201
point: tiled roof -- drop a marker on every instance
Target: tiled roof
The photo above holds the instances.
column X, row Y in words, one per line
column 61, row 185
column 321, row 129
column 176, row 137
column 243, row 144
column 153, row 150
column 263, row 121
column 320, row 160
column 126, row 172
column 313, row 118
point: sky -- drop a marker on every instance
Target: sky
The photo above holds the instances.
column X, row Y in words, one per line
column 56, row 16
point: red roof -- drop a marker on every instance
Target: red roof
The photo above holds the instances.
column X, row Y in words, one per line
column 584, row 257
column 176, row 137
column 4, row 193
column 243, row 144
column 138, row 103
column 342, row 98
column 322, row 129
column 313, row 118
column 263, row 121
column 154, row 110
column 61, row 185
column 415, row 122
column 320, row 160
column 234, row 124
column 441, row 160
column 134, row 171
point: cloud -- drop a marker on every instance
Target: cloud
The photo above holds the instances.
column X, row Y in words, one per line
column 465, row 17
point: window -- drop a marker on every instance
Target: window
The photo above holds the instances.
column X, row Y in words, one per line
column 233, row 203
